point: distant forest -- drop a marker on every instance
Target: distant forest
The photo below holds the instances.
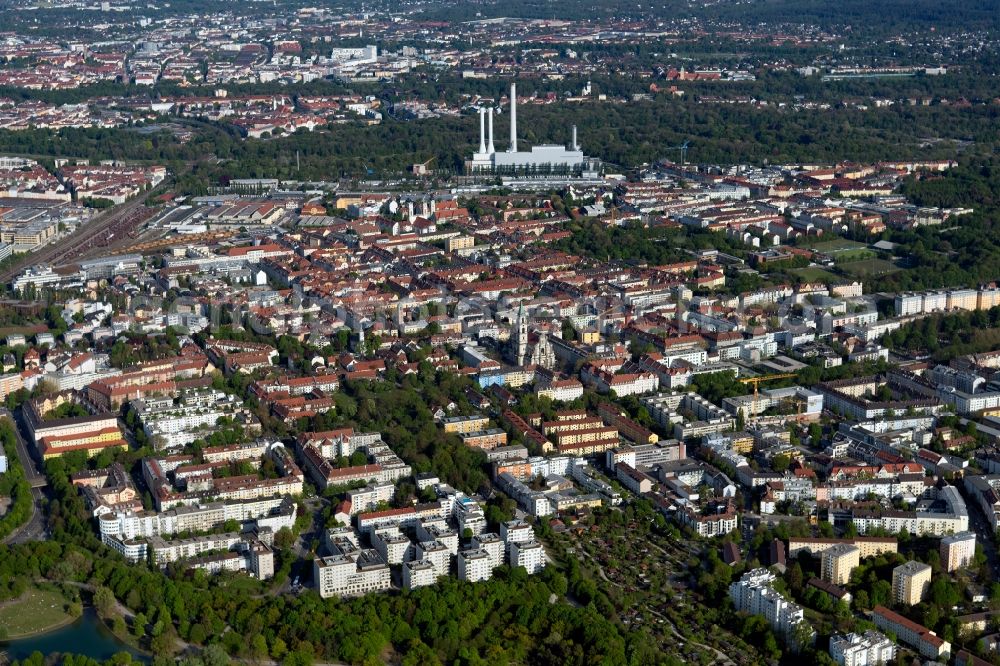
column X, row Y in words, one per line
column 623, row 135
column 878, row 16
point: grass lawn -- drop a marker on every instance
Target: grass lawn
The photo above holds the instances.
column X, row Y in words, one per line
column 833, row 247
column 868, row 267
column 849, row 256
column 33, row 612
column 814, row 273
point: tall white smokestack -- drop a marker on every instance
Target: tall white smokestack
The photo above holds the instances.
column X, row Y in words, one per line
column 574, row 146
column 491, row 149
column 482, row 130
column 513, row 117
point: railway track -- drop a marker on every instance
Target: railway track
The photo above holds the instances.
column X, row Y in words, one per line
column 84, row 239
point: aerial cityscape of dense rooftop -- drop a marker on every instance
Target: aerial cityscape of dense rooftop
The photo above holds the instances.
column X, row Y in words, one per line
column 524, row 332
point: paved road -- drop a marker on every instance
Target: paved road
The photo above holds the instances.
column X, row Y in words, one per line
column 34, row 529
column 32, row 469
column 984, row 535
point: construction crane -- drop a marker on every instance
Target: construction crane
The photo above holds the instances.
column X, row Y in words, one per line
column 421, row 169
column 757, row 380
column 684, row 151
column 799, row 403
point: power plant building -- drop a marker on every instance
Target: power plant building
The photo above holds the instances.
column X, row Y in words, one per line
column 540, row 160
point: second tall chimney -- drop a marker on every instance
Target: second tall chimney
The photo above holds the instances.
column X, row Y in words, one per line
column 513, row 117
column 489, row 148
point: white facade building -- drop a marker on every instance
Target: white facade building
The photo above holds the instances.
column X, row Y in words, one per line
column 866, row 649
column 353, row 574
column 492, row 544
column 527, row 554
column 958, row 550
column 754, row 594
column 368, row 498
column 474, row 566
column 392, row 545
column 516, row 530
column 437, row 554
column 419, row 573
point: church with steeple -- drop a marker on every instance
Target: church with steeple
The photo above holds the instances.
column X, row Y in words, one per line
column 526, row 349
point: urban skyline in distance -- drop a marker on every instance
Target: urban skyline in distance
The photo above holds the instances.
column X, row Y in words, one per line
column 426, row 333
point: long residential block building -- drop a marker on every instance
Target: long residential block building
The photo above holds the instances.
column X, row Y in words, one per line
column 917, row 636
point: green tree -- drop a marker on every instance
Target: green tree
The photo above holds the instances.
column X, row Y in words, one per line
column 104, row 601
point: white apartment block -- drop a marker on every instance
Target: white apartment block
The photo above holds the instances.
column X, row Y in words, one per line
column 165, row 552
column 257, row 560
column 754, row 594
column 177, row 425
column 868, row 649
column 475, row 522
column 246, row 451
column 245, row 553
column 392, row 545
column 692, row 355
column 564, row 390
column 354, row 574
column 127, row 526
column 474, row 566
column 438, row 530
column 711, row 525
column 953, row 520
column 368, row 498
column 418, row 573
column 437, row 554
column 492, row 544
column 957, row 550
column 469, row 515
column 527, row 554
column 909, row 304
column 533, row 502
column 516, row 530
column 935, row 301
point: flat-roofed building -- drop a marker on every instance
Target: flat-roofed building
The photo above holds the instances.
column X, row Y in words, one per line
column 957, row 550
column 418, row 573
column 492, row 544
column 485, row 439
column 527, row 554
column 354, row 574
column 392, row 545
column 437, row 554
column 754, row 593
column 474, row 566
column 910, row 582
column 838, row 562
column 867, row 649
column 464, row 424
